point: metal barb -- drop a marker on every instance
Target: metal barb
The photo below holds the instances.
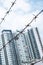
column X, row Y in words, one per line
column 7, row 12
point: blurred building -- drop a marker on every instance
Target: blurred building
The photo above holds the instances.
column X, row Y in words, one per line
column 9, row 50
column 26, row 47
column 34, row 43
column 29, row 46
column 21, row 49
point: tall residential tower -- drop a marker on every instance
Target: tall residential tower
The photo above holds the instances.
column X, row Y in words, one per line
column 26, row 47
column 9, row 50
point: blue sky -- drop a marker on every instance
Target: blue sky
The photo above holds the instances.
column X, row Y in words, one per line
column 21, row 14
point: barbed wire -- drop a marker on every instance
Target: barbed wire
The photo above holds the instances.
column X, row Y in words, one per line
column 7, row 12
column 16, row 37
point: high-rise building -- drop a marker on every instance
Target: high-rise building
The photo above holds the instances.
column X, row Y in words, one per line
column 9, row 50
column 21, row 49
column 26, row 47
column 30, row 50
column 34, row 43
column 38, row 41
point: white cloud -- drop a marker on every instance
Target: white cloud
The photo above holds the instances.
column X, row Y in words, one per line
column 21, row 4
